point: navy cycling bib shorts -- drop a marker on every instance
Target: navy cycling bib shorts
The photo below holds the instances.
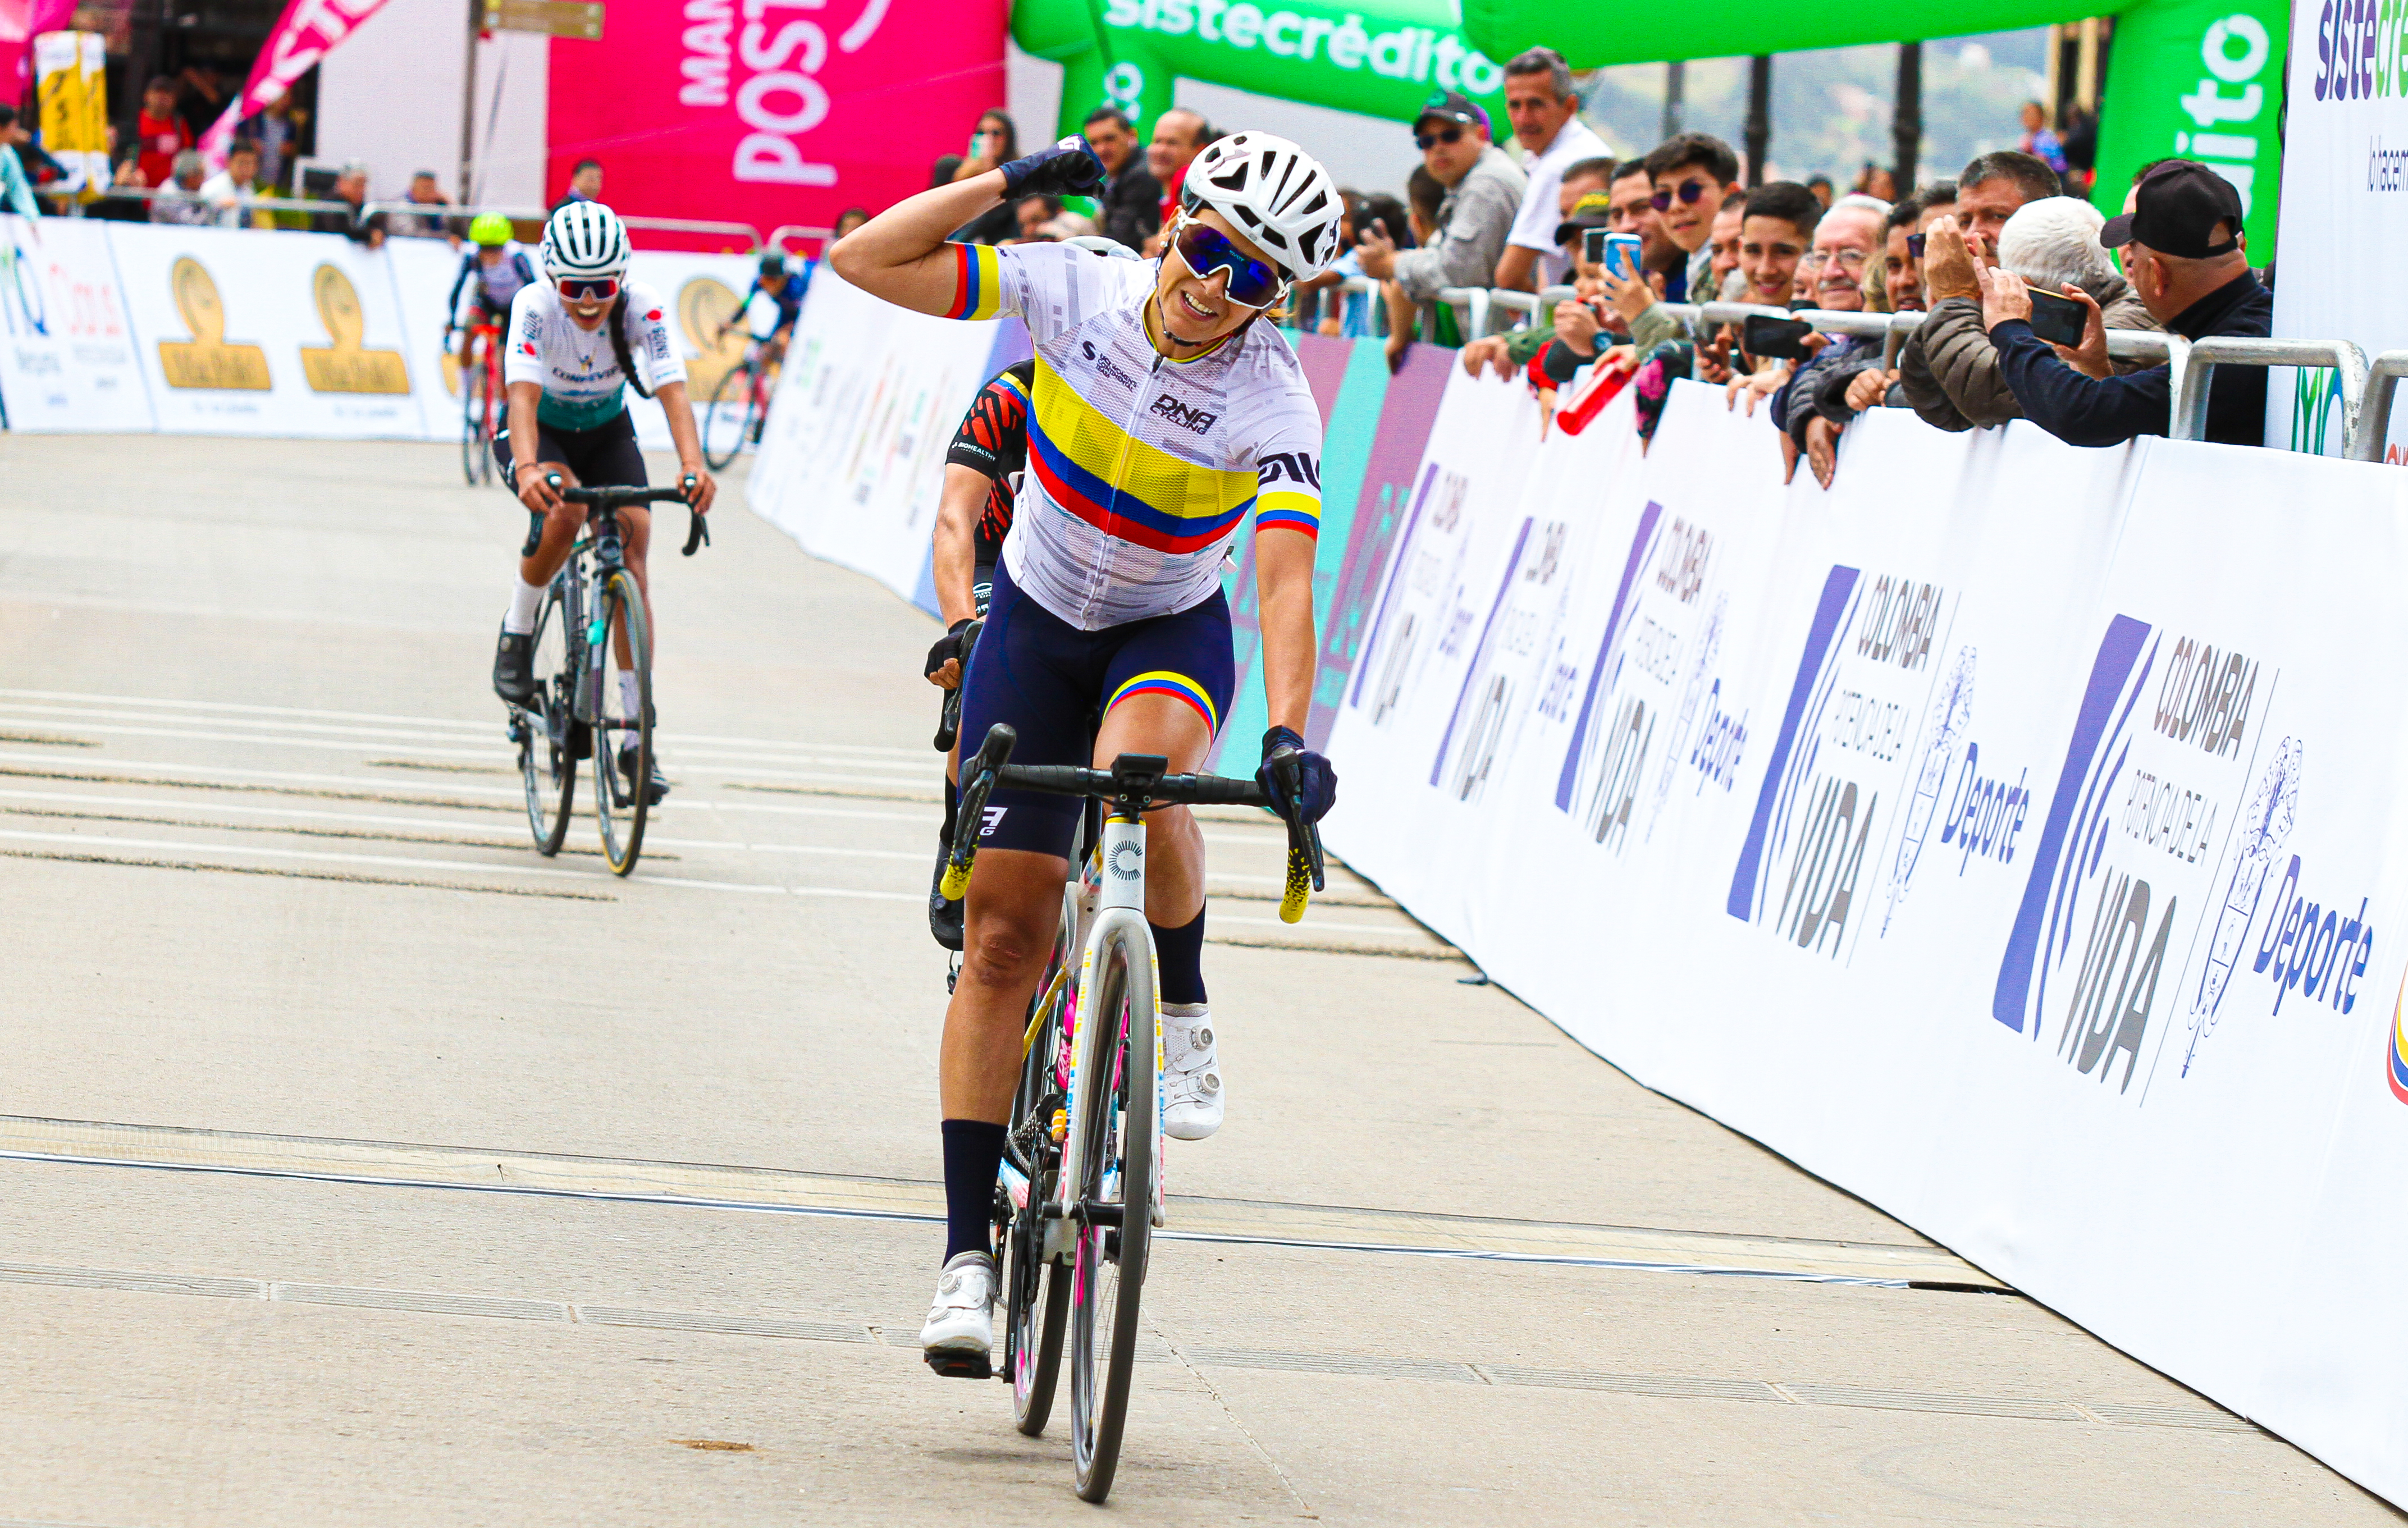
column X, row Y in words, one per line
column 1047, row 679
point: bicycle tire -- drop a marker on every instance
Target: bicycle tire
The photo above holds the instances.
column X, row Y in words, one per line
column 621, row 808
column 1037, row 1300
column 1119, row 1127
column 475, row 447
column 547, row 750
column 722, row 422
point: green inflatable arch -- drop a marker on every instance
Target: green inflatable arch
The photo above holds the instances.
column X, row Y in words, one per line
column 2196, row 77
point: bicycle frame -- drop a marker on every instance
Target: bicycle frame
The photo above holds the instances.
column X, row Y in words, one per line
column 1120, row 911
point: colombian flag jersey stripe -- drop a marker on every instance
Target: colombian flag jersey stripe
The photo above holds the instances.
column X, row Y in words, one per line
column 1286, row 509
column 977, row 283
column 1162, row 501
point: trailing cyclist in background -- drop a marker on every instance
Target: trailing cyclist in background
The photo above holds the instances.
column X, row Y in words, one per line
column 741, row 401
column 577, row 341
column 491, row 275
column 1161, row 413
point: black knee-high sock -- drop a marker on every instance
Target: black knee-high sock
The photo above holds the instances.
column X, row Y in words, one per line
column 973, row 1152
column 1178, row 954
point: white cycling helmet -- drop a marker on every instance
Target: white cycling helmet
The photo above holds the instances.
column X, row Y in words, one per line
column 1276, row 194
column 585, row 239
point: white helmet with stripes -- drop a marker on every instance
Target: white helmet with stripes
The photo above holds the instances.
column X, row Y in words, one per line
column 585, row 239
column 1275, row 194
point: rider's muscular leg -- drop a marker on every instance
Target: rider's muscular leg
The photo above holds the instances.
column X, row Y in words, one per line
column 1013, row 911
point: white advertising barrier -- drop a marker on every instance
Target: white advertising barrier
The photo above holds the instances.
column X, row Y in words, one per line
column 68, row 362
column 2001, row 834
column 267, row 333
column 853, row 459
column 2344, row 195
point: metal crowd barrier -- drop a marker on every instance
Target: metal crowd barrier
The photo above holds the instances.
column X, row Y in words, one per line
column 176, row 193
column 2365, row 388
column 785, row 231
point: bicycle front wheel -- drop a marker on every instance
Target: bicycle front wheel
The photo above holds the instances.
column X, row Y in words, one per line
column 728, row 417
column 1116, row 1139
column 547, row 750
column 623, row 721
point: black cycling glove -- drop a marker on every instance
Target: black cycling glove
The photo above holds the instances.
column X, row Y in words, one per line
column 948, row 647
column 1067, row 169
column 1298, row 780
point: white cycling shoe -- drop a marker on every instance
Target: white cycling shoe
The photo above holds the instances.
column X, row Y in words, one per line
column 959, row 1334
column 1191, row 1075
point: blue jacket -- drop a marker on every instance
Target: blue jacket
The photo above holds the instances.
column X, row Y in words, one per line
column 2084, row 411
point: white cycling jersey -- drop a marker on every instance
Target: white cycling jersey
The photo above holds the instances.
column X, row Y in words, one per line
column 1140, row 468
column 578, row 368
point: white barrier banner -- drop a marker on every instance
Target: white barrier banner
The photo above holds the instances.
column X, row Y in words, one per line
column 2001, row 834
column 853, row 456
column 68, row 362
column 268, row 334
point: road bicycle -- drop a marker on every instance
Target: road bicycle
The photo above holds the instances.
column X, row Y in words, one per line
column 738, row 403
column 1078, row 1195
column 482, row 401
column 590, row 633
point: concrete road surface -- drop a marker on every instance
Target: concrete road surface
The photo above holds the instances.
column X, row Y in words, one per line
column 359, row 1166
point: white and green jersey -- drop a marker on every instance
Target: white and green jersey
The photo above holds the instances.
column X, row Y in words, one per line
column 579, row 368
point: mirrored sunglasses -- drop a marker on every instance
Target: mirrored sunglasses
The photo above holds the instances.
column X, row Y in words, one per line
column 587, row 289
column 1203, row 250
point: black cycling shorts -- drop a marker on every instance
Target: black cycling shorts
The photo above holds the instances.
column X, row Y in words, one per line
column 1048, row 679
column 604, row 456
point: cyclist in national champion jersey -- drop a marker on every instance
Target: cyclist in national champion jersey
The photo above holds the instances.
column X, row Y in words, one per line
column 575, row 342
column 1161, row 413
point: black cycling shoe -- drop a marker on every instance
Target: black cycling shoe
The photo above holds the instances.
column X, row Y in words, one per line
column 658, row 787
column 514, row 669
column 944, row 918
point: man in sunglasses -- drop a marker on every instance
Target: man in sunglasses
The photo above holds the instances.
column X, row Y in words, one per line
column 1691, row 174
column 1161, row 413
column 1483, row 195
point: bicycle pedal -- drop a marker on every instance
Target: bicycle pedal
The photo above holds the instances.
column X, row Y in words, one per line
column 953, row 1365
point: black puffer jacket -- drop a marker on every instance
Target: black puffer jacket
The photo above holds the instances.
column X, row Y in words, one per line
column 1949, row 370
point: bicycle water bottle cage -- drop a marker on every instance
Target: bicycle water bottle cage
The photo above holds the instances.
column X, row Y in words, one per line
column 1134, row 778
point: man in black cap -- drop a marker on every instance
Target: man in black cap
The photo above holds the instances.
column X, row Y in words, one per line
column 1483, row 192
column 2182, row 253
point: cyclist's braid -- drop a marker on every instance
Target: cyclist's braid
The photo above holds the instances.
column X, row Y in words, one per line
column 619, row 344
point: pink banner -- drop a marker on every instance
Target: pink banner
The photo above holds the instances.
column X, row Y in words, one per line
column 750, row 111
column 306, row 33
column 21, row 22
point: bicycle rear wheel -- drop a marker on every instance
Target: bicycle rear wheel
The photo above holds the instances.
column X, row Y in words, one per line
column 728, row 417
column 623, row 723
column 1038, row 1299
column 476, row 440
column 546, row 751
column 1115, row 1140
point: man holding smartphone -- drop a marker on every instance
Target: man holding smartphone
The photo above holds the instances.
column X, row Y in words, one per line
column 2183, row 254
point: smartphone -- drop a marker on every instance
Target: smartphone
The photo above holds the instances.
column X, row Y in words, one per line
column 2057, row 320
column 1617, row 252
column 1776, row 339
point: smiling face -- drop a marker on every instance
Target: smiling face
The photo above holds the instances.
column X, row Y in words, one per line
column 1768, row 251
column 1195, row 311
column 1845, row 246
column 1178, row 134
column 1689, row 223
column 1634, row 212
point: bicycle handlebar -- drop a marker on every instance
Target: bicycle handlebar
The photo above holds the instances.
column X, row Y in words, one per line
column 697, row 530
column 1135, row 782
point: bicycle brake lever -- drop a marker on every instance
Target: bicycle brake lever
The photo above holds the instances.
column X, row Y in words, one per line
column 534, row 533
column 697, row 534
